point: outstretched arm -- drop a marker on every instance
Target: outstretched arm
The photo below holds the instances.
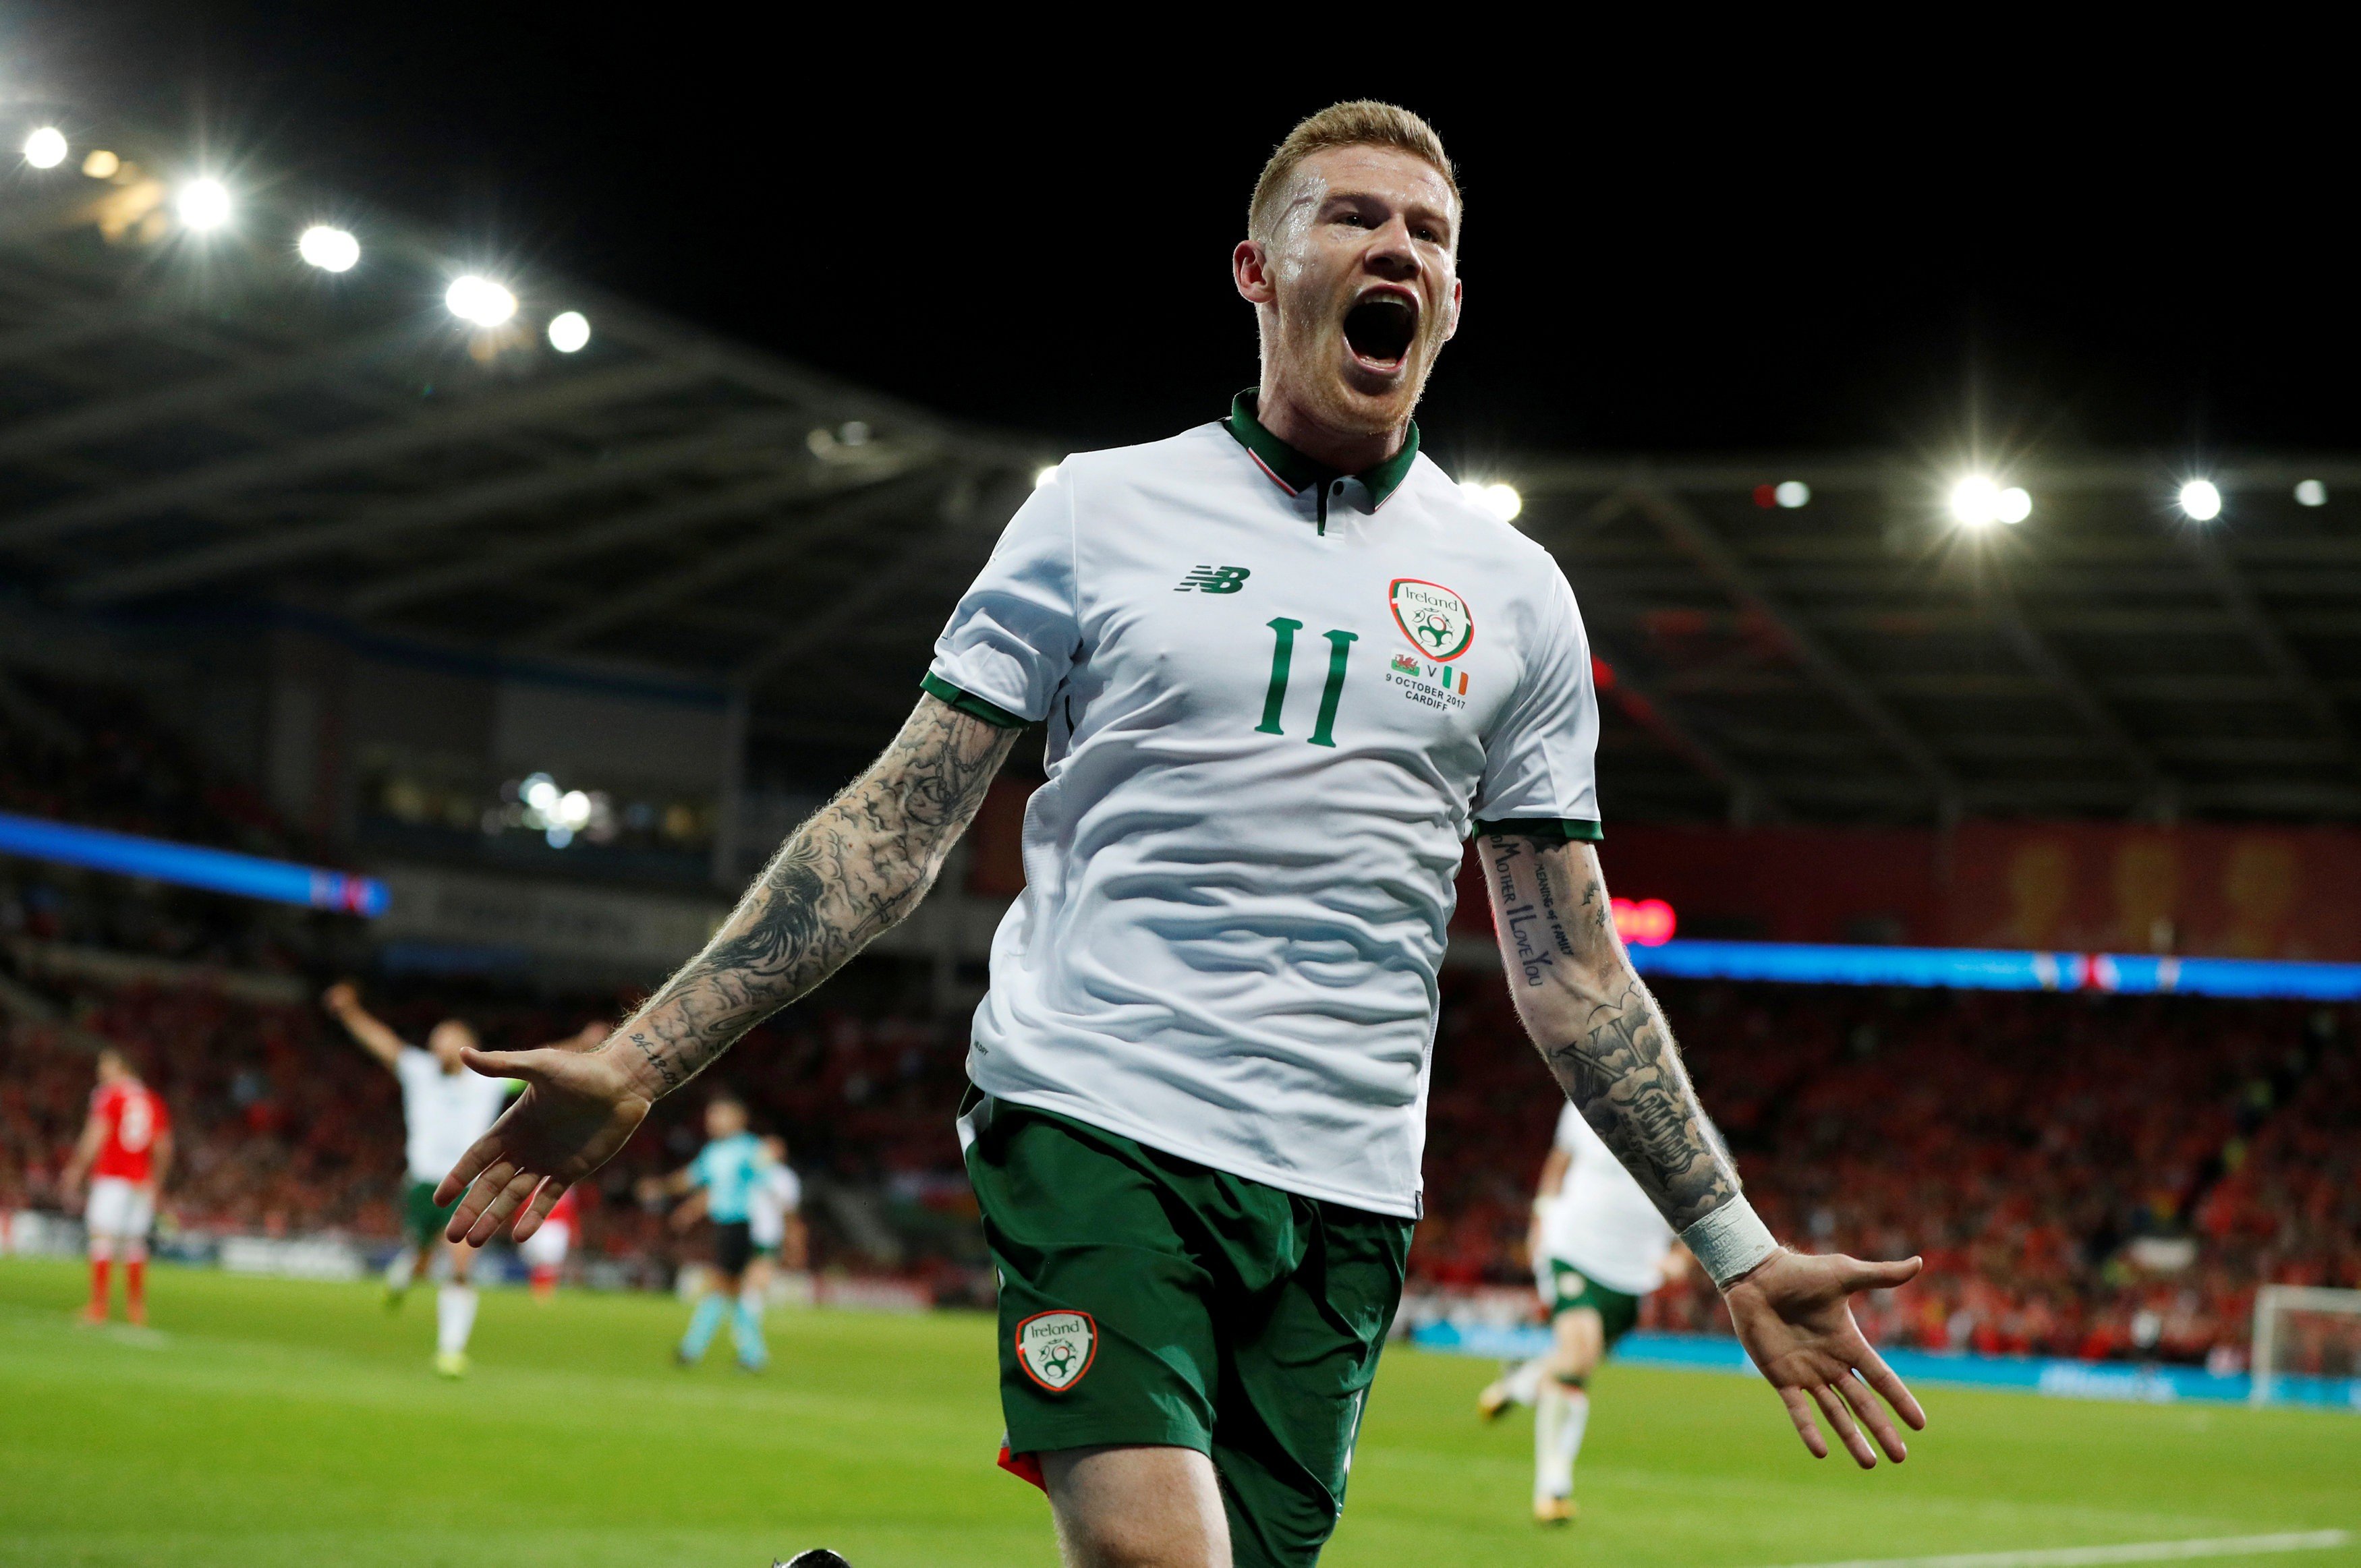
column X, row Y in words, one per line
column 345, row 1003
column 1606, row 1041
column 850, row 872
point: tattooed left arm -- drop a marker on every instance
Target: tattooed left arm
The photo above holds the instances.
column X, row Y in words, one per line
column 1599, row 1028
column 1606, row 1043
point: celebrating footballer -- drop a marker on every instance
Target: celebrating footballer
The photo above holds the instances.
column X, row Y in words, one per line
column 1287, row 670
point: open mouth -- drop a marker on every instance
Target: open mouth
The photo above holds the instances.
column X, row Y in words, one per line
column 1380, row 328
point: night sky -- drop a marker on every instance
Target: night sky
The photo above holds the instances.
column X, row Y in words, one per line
column 1789, row 248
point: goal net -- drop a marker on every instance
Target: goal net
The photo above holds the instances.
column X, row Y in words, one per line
column 2303, row 1332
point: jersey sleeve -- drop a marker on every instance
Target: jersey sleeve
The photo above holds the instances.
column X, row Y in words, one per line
column 701, row 1170
column 1541, row 766
column 1015, row 630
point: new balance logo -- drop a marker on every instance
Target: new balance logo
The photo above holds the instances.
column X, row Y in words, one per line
column 1215, row 579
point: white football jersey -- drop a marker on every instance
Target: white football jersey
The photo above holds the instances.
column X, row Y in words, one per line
column 776, row 1193
column 444, row 1112
column 1602, row 1224
column 1278, row 700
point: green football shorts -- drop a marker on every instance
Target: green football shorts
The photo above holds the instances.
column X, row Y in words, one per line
column 1570, row 1289
column 421, row 1217
column 1145, row 1299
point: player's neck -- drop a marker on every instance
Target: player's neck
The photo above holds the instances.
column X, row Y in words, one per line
column 1288, row 417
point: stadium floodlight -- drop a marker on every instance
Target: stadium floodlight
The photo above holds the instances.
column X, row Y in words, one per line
column 329, row 249
column 101, row 164
column 1792, row 493
column 1501, row 500
column 2012, row 505
column 46, row 147
column 2311, row 493
column 569, row 332
column 203, row 204
column 1975, row 502
column 2200, row 499
column 479, row 301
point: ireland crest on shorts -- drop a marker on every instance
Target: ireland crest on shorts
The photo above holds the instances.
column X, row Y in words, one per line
column 1437, row 621
column 1056, row 1348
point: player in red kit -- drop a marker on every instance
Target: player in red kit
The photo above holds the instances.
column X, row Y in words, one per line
column 545, row 1251
column 126, row 1148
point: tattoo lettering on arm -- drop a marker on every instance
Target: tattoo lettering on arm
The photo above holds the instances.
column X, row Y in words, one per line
column 655, row 1059
column 1599, row 1030
column 853, row 871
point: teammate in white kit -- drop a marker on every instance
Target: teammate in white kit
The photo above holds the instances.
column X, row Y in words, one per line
column 444, row 1108
column 1599, row 1247
column 775, row 1222
column 1286, row 668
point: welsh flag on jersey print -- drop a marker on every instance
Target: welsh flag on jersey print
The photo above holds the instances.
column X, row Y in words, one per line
column 1443, row 675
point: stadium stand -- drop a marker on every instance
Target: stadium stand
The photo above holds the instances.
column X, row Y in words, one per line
column 2091, row 1177
column 418, row 553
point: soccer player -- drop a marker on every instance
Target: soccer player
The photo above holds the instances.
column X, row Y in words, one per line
column 1287, row 667
column 723, row 1176
column 127, row 1148
column 444, row 1108
column 774, row 1224
column 544, row 1254
column 1598, row 1248
column 545, row 1251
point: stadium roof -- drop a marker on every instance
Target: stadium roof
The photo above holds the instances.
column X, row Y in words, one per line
column 205, row 414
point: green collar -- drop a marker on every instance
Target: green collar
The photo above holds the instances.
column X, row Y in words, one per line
column 1297, row 472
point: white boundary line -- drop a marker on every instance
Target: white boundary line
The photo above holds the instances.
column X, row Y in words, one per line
column 2136, row 1551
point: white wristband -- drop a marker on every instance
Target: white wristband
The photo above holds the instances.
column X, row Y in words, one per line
column 1729, row 1241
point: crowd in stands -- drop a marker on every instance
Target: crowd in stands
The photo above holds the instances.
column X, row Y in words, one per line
column 2101, row 1177
column 285, row 1127
column 90, row 752
column 2098, row 1177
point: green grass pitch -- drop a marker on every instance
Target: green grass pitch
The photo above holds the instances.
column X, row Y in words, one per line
column 267, row 1422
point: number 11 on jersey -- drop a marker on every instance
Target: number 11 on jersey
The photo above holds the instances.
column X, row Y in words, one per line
column 1282, row 659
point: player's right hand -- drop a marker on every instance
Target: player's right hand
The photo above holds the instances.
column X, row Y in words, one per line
column 578, row 1107
column 340, row 998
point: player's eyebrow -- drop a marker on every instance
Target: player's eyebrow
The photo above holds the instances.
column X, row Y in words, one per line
column 1414, row 210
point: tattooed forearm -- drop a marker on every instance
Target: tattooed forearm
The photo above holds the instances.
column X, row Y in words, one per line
column 855, row 868
column 1599, row 1030
column 665, row 1073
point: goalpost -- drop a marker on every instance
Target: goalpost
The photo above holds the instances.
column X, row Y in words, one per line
column 2304, row 1331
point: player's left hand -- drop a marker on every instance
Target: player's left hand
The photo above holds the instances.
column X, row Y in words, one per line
column 1794, row 1317
column 580, row 1104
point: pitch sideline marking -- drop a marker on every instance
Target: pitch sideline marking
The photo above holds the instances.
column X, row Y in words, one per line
column 2136, row 1551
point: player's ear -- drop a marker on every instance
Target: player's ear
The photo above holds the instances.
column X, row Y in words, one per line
column 1250, row 271
column 1450, row 312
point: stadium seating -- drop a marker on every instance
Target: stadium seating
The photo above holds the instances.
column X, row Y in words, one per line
column 2054, row 1157
column 2086, row 1175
